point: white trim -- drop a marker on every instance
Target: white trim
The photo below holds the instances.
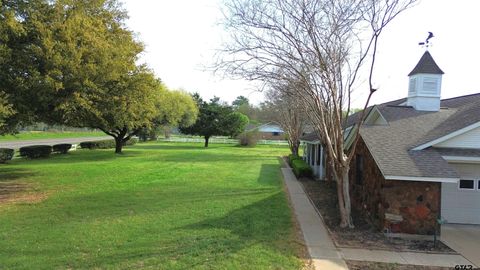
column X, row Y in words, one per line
column 348, row 141
column 421, row 179
column 310, row 142
column 448, row 136
column 462, row 159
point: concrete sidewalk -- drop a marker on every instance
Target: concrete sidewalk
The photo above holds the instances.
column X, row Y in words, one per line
column 323, row 252
column 413, row 258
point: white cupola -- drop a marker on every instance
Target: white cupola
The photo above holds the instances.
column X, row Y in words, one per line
column 425, row 85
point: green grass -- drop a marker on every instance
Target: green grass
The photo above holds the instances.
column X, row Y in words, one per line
column 37, row 135
column 157, row 206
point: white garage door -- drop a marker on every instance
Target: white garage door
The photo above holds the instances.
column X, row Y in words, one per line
column 461, row 202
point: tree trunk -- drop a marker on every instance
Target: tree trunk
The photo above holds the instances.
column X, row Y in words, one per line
column 343, row 193
column 206, row 140
column 167, row 132
column 295, row 146
column 118, row 145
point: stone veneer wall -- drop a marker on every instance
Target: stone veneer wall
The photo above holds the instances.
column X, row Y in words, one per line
column 418, row 203
column 400, row 206
column 367, row 198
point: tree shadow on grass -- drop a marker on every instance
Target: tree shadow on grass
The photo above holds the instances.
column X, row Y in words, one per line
column 266, row 222
column 13, row 173
column 86, row 155
column 11, row 184
column 269, row 175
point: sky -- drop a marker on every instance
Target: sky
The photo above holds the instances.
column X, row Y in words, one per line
column 182, row 36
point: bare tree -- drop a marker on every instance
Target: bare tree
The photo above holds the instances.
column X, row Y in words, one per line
column 289, row 112
column 325, row 45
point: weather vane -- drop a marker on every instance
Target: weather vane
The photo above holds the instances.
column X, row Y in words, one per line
column 426, row 44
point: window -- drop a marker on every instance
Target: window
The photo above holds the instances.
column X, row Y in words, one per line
column 478, row 186
column 275, row 133
column 466, row 184
column 359, row 169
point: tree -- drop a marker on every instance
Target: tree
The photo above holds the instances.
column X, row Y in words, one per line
column 235, row 124
column 289, row 112
column 323, row 46
column 6, row 111
column 18, row 65
column 73, row 62
column 176, row 109
column 215, row 119
column 120, row 111
column 239, row 101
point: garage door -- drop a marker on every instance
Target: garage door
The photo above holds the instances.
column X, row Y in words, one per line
column 461, row 201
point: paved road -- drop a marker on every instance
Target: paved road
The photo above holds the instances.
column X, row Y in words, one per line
column 20, row 143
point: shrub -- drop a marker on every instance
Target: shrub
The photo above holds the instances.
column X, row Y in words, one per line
column 62, row 148
column 36, row 151
column 103, row 144
column 248, row 139
column 301, row 168
column 6, row 154
column 292, row 157
column 131, row 141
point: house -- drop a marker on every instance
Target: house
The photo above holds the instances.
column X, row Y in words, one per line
column 417, row 160
column 268, row 131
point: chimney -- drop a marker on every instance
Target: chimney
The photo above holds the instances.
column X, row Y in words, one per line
column 425, row 85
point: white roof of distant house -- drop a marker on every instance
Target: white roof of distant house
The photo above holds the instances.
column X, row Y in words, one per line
column 268, row 127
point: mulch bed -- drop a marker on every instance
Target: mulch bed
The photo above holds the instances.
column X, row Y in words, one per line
column 364, row 235
column 359, row 265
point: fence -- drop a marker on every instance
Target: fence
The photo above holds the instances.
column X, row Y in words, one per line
column 221, row 140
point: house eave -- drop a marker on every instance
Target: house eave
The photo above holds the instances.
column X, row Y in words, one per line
column 310, row 142
column 460, row 159
column 448, row 136
column 421, row 179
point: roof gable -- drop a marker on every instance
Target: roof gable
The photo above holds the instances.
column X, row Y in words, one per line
column 467, row 137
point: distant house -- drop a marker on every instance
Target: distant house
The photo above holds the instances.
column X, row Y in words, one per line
column 268, row 131
column 417, row 159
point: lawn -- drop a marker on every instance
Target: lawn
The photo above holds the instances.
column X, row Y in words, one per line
column 36, row 135
column 157, row 206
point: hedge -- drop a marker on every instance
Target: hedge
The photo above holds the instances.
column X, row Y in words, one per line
column 6, row 154
column 105, row 144
column 292, row 157
column 301, row 168
column 36, row 151
column 62, row 148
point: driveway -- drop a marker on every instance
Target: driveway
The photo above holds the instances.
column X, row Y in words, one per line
column 22, row 143
column 465, row 239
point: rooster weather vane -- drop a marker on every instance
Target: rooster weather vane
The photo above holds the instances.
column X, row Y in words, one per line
column 426, row 43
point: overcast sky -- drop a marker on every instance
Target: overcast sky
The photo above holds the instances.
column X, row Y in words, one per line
column 181, row 37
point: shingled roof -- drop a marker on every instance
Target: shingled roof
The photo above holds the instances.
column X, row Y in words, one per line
column 426, row 65
column 392, row 145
